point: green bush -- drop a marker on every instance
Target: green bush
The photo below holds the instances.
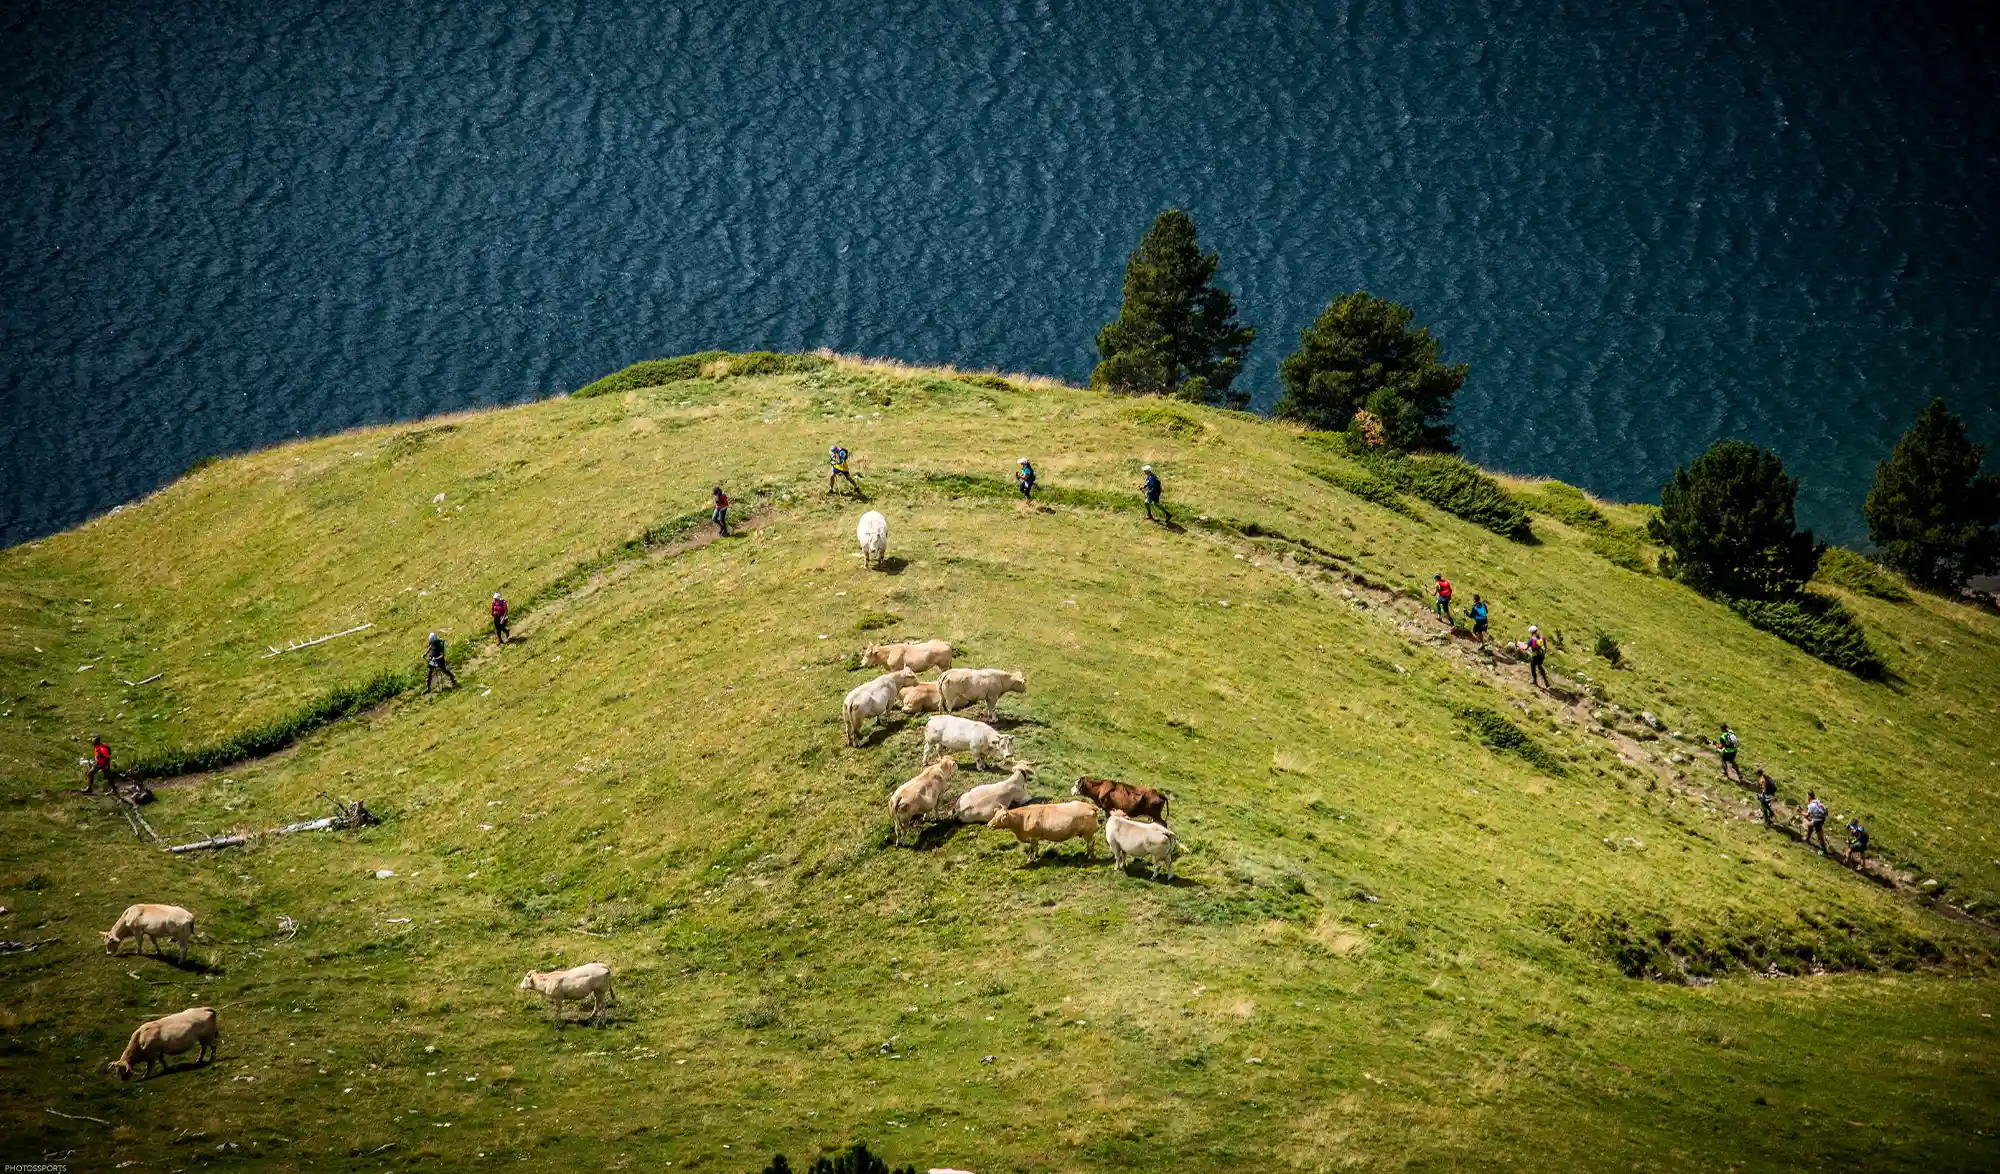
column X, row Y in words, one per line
column 877, row 620
column 1606, row 646
column 1501, row 734
column 276, row 734
column 658, row 372
column 855, row 1160
column 1167, row 420
column 1844, row 568
column 1456, row 488
column 1817, row 626
column 1365, row 487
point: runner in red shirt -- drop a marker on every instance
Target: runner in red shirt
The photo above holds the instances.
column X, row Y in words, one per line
column 721, row 512
column 1443, row 604
column 100, row 764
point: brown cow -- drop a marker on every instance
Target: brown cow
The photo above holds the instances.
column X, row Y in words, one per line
column 1134, row 801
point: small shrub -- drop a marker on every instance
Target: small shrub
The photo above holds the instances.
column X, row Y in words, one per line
column 1566, row 504
column 1365, row 487
column 701, row 364
column 1456, row 488
column 1168, row 420
column 1501, row 734
column 201, row 463
column 1844, row 568
column 989, row 381
column 1607, row 647
column 855, row 1160
column 876, row 620
column 1819, row 627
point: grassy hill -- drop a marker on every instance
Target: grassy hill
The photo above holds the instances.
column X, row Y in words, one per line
column 1429, row 916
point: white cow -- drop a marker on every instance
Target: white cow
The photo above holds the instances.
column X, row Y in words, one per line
column 957, row 735
column 872, row 700
column 919, row 797
column 1132, row 839
column 158, row 922
column 873, row 534
column 987, row 800
column 590, row 980
column 961, row 687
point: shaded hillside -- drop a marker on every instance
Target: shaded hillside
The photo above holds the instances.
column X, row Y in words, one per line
column 1405, row 933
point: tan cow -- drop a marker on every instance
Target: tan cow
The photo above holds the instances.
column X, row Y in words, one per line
column 158, row 922
column 1049, row 823
column 170, row 1035
column 591, row 980
column 918, row 657
column 963, row 687
column 919, row 797
column 920, row 699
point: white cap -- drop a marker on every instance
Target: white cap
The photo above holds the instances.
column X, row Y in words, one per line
column 1147, row 469
column 434, row 635
column 496, row 595
column 1533, row 628
column 1024, row 460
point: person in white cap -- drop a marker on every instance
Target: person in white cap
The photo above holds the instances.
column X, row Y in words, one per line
column 499, row 619
column 1153, row 496
column 1024, row 479
column 1537, row 648
column 434, row 657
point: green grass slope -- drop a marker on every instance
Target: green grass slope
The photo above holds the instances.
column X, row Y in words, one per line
column 1427, row 917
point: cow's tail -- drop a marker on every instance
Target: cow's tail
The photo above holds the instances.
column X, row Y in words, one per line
column 847, row 722
column 1164, row 800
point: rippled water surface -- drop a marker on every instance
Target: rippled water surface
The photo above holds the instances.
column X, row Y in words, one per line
column 1645, row 225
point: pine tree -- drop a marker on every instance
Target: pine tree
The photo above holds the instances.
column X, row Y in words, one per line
column 1930, row 511
column 1361, row 355
column 1729, row 518
column 1176, row 334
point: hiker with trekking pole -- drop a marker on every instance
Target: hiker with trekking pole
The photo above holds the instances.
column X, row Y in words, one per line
column 500, row 628
column 1857, row 845
column 836, row 459
column 1537, row 649
column 434, row 658
column 1767, row 790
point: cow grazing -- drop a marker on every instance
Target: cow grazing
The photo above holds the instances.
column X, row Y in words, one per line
column 1049, row 823
column 919, row 797
column 158, row 922
column 983, row 802
column 1130, row 839
column 920, row 699
column 873, row 534
column 917, row 656
column 1112, row 795
column 963, row 687
column 872, row 700
column 591, row 980
column 170, row 1035
column 957, row 735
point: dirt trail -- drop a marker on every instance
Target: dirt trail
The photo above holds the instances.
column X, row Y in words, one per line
column 1662, row 753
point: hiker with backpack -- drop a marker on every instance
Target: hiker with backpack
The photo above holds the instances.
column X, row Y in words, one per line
column 720, row 514
column 836, row 459
column 1442, row 605
column 100, row 764
column 1767, row 790
column 1024, row 479
column 1857, row 844
column 1815, row 821
column 1152, row 489
column 434, row 657
column 500, row 628
column 1478, row 614
column 1726, row 747
column 1537, row 649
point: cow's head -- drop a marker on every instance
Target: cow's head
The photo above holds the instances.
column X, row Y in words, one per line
column 873, row 655
column 528, row 982
column 1005, row 742
column 1017, row 682
column 110, row 941
column 123, row 1069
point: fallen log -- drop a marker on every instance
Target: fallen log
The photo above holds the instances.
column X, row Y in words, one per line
column 349, row 815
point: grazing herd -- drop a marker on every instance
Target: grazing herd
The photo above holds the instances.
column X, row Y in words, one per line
column 1134, row 818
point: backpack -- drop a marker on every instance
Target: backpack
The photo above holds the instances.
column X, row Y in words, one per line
column 1444, row 588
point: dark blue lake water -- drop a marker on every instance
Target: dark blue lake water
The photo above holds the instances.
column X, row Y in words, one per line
column 1645, row 225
